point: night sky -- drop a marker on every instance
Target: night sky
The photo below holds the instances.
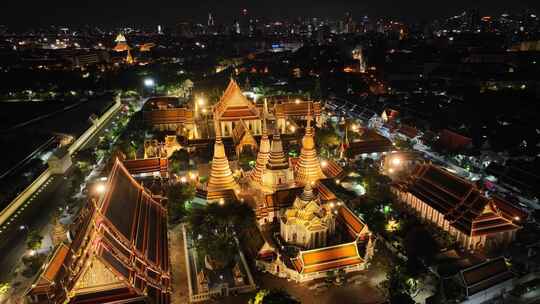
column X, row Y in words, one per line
column 140, row 12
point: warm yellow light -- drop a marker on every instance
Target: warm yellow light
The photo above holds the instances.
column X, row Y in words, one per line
column 183, row 179
column 324, row 163
column 100, row 188
column 293, row 129
column 297, row 101
column 391, row 170
column 200, row 101
column 396, row 161
column 221, row 202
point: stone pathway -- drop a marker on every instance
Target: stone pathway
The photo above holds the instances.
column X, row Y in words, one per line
column 179, row 282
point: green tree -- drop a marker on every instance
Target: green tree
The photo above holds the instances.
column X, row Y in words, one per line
column 265, row 296
column 178, row 195
column 398, row 285
column 179, row 161
column 34, row 240
column 215, row 226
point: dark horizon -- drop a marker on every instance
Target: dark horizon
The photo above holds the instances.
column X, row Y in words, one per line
column 17, row 14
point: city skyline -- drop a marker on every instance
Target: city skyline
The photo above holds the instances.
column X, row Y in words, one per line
column 164, row 12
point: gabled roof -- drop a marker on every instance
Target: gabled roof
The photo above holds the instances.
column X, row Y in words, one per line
column 234, row 105
column 148, row 165
column 168, row 116
column 120, row 251
column 354, row 225
column 461, row 203
column 327, row 258
column 302, row 108
column 485, row 275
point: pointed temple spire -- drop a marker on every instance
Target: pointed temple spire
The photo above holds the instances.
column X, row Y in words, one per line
column 262, row 156
column 308, row 168
column 221, row 177
column 277, row 159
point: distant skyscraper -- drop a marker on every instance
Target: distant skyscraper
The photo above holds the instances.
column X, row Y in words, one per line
column 210, row 19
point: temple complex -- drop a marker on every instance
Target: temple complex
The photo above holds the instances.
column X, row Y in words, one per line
column 119, row 253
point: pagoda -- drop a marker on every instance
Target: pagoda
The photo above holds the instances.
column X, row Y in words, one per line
column 262, row 157
column 308, row 168
column 278, row 173
column 221, row 183
column 121, row 43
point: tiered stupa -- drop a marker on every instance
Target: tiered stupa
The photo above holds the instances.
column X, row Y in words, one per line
column 278, row 173
column 262, row 157
column 308, row 169
column 221, row 183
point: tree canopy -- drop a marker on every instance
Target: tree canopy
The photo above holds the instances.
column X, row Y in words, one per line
column 215, row 226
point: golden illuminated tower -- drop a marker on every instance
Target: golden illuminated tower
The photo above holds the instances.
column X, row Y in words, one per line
column 221, row 177
column 121, row 43
column 129, row 57
column 308, row 169
column 262, row 157
column 278, row 173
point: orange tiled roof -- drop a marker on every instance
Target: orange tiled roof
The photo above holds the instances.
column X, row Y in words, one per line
column 298, row 109
column 234, row 105
column 327, row 258
column 56, row 262
column 352, row 222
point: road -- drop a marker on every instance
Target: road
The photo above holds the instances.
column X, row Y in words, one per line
column 35, row 214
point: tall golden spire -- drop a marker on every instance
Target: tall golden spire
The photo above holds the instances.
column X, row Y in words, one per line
column 221, row 177
column 277, row 159
column 262, row 156
column 308, row 168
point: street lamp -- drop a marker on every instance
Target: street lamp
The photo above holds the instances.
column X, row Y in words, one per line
column 100, row 188
column 149, row 82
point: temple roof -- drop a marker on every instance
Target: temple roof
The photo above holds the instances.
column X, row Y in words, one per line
column 369, row 142
column 121, row 250
column 354, row 225
column 148, row 165
column 461, row 203
column 168, row 116
column 327, row 258
column 301, row 108
column 485, row 275
column 234, row 105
